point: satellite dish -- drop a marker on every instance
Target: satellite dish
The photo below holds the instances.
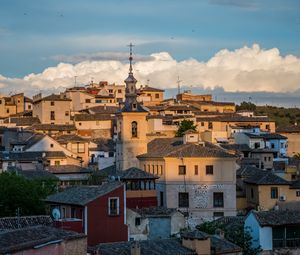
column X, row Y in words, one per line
column 56, row 213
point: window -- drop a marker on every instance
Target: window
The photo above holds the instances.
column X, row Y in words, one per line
column 67, row 113
column 29, row 107
column 57, row 162
column 218, row 199
column 274, row 192
column 52, row 115
column 268, row 126
column 156, row 95
column 196, row 170
column 202, row 124
column 52, row 103
column 7, row 110
column 87, row 101
column 113, row 206
column 297, row 193
column 134, row 129
column 282, row 145
column 272, row 145
column 209, row 170
column 80, row 147
column 51, row 145
column 161, row 195
column 218, row 214
column 257, row 145
column 119, row 91
column 137, row 221
column 181, row 170
column 73, row 212
column 252, row 193
column 110, row 91
column 79, row 124
column 210, row 125
column 183, row 199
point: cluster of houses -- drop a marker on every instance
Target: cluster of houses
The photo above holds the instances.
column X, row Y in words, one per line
column 156, row 188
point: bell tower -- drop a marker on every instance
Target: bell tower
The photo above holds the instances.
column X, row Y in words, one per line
column 131, row 125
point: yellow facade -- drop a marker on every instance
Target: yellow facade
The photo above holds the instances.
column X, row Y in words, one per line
column 259, row 196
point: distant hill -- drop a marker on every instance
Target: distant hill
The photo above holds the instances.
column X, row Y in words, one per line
column 282, row 116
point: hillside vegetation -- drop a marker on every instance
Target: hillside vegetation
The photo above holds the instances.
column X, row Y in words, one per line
column 282, row 116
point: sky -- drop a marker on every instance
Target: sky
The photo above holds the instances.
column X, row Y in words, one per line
column 217, row 45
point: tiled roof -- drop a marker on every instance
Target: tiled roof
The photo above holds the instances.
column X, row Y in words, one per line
column 104, row 144
column 289, row 205
column 23, row 121
column 155, row 211
column 7, row 223
column 150, row 89
column 82, row 195
column 277, row 217
column 92, row 117
column 233, row 118
column 35, row 138
column 195, row 234
column 236, row 147
column 62, row 169
column 54, row 97
column 295, row 185
column 248, row 171
column 134, row 173
column 266, row 178
column 30, row 155
column 37, row 174
column 220, row 246
column 267, row 136
column 51, row 127
column 104, row 109
column 27, row 238
column 128, row 108
column 70, row 138
column 174, row 147
column 148, row 247
column 289, row 129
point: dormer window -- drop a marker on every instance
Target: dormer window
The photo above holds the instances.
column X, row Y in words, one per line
column 134, row 129
column 134, row 106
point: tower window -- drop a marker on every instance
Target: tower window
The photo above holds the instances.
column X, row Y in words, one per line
column 134, row 129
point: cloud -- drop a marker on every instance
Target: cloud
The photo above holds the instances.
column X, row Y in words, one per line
column 99, row 56
column 244, row 69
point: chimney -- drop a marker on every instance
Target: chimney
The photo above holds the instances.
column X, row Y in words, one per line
column 201, row 244
column 135, row 248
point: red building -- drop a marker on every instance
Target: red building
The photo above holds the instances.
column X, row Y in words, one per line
column 97, row 211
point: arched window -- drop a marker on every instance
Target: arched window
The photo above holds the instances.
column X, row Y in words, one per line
column 134, row 129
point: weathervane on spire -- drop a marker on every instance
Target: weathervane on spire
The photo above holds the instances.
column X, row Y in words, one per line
column 130, row 57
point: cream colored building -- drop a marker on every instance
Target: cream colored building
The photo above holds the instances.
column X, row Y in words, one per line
column 53, row 109
column 150, row 96
column 195, row 177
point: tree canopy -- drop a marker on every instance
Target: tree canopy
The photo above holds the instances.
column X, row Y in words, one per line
column 184, row 126
column 27, row 195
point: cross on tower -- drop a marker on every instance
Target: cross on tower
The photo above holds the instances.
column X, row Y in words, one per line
column 130, row 57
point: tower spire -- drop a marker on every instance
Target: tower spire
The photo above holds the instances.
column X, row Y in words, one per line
column 130, row 57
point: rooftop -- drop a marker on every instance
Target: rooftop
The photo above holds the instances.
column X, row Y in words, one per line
column 277, row 218
column 148, row 247
column 63, row 169
column 134, row 173
column 174, row 147
column 266, row 178
column 15, row 240
column 7, row 223
column 51, row 127
column 82, row 195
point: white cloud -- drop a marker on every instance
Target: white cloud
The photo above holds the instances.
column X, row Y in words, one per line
column 244, row 69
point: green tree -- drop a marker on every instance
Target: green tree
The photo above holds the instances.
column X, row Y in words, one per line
column 184, row 126
column 235, row 234
column 27, row 195
column 246, row 106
